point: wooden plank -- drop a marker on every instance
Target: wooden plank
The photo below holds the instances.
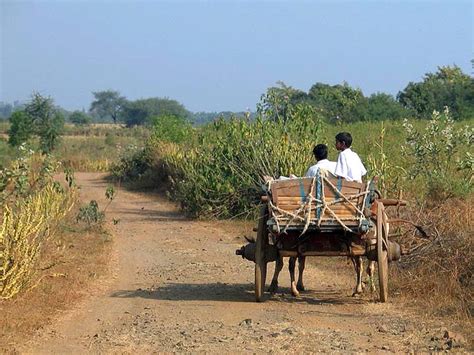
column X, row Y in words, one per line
column 286, row 194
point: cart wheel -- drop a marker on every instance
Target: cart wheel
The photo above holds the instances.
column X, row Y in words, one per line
column 260, row 262
column 382, row 252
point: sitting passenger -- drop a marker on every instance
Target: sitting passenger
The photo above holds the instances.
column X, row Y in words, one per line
column 321, row 154
column 349, row 166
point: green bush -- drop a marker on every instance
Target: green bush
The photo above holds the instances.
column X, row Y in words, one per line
column 437, row 156
column 220, row 175
column 169, row 128
column 133, row 163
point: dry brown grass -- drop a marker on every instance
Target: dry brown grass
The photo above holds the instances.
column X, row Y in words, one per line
column 69, row 265
column 438, row 275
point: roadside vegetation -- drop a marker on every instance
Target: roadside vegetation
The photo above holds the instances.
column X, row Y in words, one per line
column 213, row 165
column 33, row 205
column 215, row 171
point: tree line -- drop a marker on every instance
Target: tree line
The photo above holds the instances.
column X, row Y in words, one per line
column 447, row 87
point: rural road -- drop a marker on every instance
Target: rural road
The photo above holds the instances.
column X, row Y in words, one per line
column 176, row 285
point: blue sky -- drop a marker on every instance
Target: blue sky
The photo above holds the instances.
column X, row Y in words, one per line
column 222, row 55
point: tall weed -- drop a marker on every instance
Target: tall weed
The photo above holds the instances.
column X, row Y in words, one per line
column 221, row 175
column 32, row 204
column 438, row 159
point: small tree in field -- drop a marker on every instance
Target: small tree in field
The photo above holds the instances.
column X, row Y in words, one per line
column 47, row 120
column 107, row 103
column 80, row 118
column 40, row 117
column 21, row 128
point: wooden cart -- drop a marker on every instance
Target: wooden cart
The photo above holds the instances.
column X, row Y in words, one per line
column 322, row 216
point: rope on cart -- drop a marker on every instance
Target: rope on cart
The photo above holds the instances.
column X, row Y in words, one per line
column 320, row 203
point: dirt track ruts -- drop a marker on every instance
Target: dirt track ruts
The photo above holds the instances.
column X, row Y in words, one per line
column 176, row 285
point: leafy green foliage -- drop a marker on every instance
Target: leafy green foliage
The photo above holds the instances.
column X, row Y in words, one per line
column 90, row 214
column 338, row 102
column 221, row 174
column 171, row 128
column 448, row 87
column 21, row 128
column 40, row 117
column 110, row 193
column 436, row 156
column 26, row 174
column 80, row 118
column 383, row 107
column 133, row 163
column 107, row 104
column 140, row 112
column 48, row 121
column 278, row 100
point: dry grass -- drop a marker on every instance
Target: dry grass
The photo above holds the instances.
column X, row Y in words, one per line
column 69, row 264
column 438, row 275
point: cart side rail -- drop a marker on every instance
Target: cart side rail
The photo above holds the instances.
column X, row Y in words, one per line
column 323, row 202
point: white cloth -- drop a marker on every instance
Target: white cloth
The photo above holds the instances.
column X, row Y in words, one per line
column 321, row 164
column 349, row 166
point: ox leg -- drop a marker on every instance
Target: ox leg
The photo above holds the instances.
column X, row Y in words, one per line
column 278, row 266
column 301, row 265
column 291, row 268
column 370, row 275
column 357, row 261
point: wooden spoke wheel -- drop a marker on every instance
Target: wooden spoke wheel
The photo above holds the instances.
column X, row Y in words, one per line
column 260, row 260
column 382, row 252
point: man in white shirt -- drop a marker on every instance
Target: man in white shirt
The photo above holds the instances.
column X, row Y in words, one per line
column 321, row 154
column 349, row 166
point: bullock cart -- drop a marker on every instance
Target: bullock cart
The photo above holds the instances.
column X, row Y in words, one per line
column 322, row 216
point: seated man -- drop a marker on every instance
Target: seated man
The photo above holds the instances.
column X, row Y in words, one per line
column 321, row 154
column 349, row 166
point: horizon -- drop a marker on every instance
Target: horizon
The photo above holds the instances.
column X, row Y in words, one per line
column 222, row 56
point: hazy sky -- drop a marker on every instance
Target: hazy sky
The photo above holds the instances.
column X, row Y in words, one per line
column 222, row 55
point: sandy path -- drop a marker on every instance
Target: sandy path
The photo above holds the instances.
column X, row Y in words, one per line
column 176, row 285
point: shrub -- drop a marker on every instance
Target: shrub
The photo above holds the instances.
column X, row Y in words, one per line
column 33, row 205
column 40, row 117
column 132, row 164
column 90, row 214
column 221, row 175
column 21, row 128
column 435, row 156
column 169, row 128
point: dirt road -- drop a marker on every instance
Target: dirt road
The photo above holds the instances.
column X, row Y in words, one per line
column 176, row 285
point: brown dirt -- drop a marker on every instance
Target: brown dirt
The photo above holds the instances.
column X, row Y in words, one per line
column 176, row 285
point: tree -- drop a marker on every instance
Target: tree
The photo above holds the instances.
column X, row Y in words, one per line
column 21, row 128
column 107, row 104
column 338, row 102
column 140, row 112
column 449, row 86
column 40, row 117
column 47, row 121
column 274, row 104
column 381, row 106
column 80, row 118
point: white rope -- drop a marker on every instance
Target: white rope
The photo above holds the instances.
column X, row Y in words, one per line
column 306, row 208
